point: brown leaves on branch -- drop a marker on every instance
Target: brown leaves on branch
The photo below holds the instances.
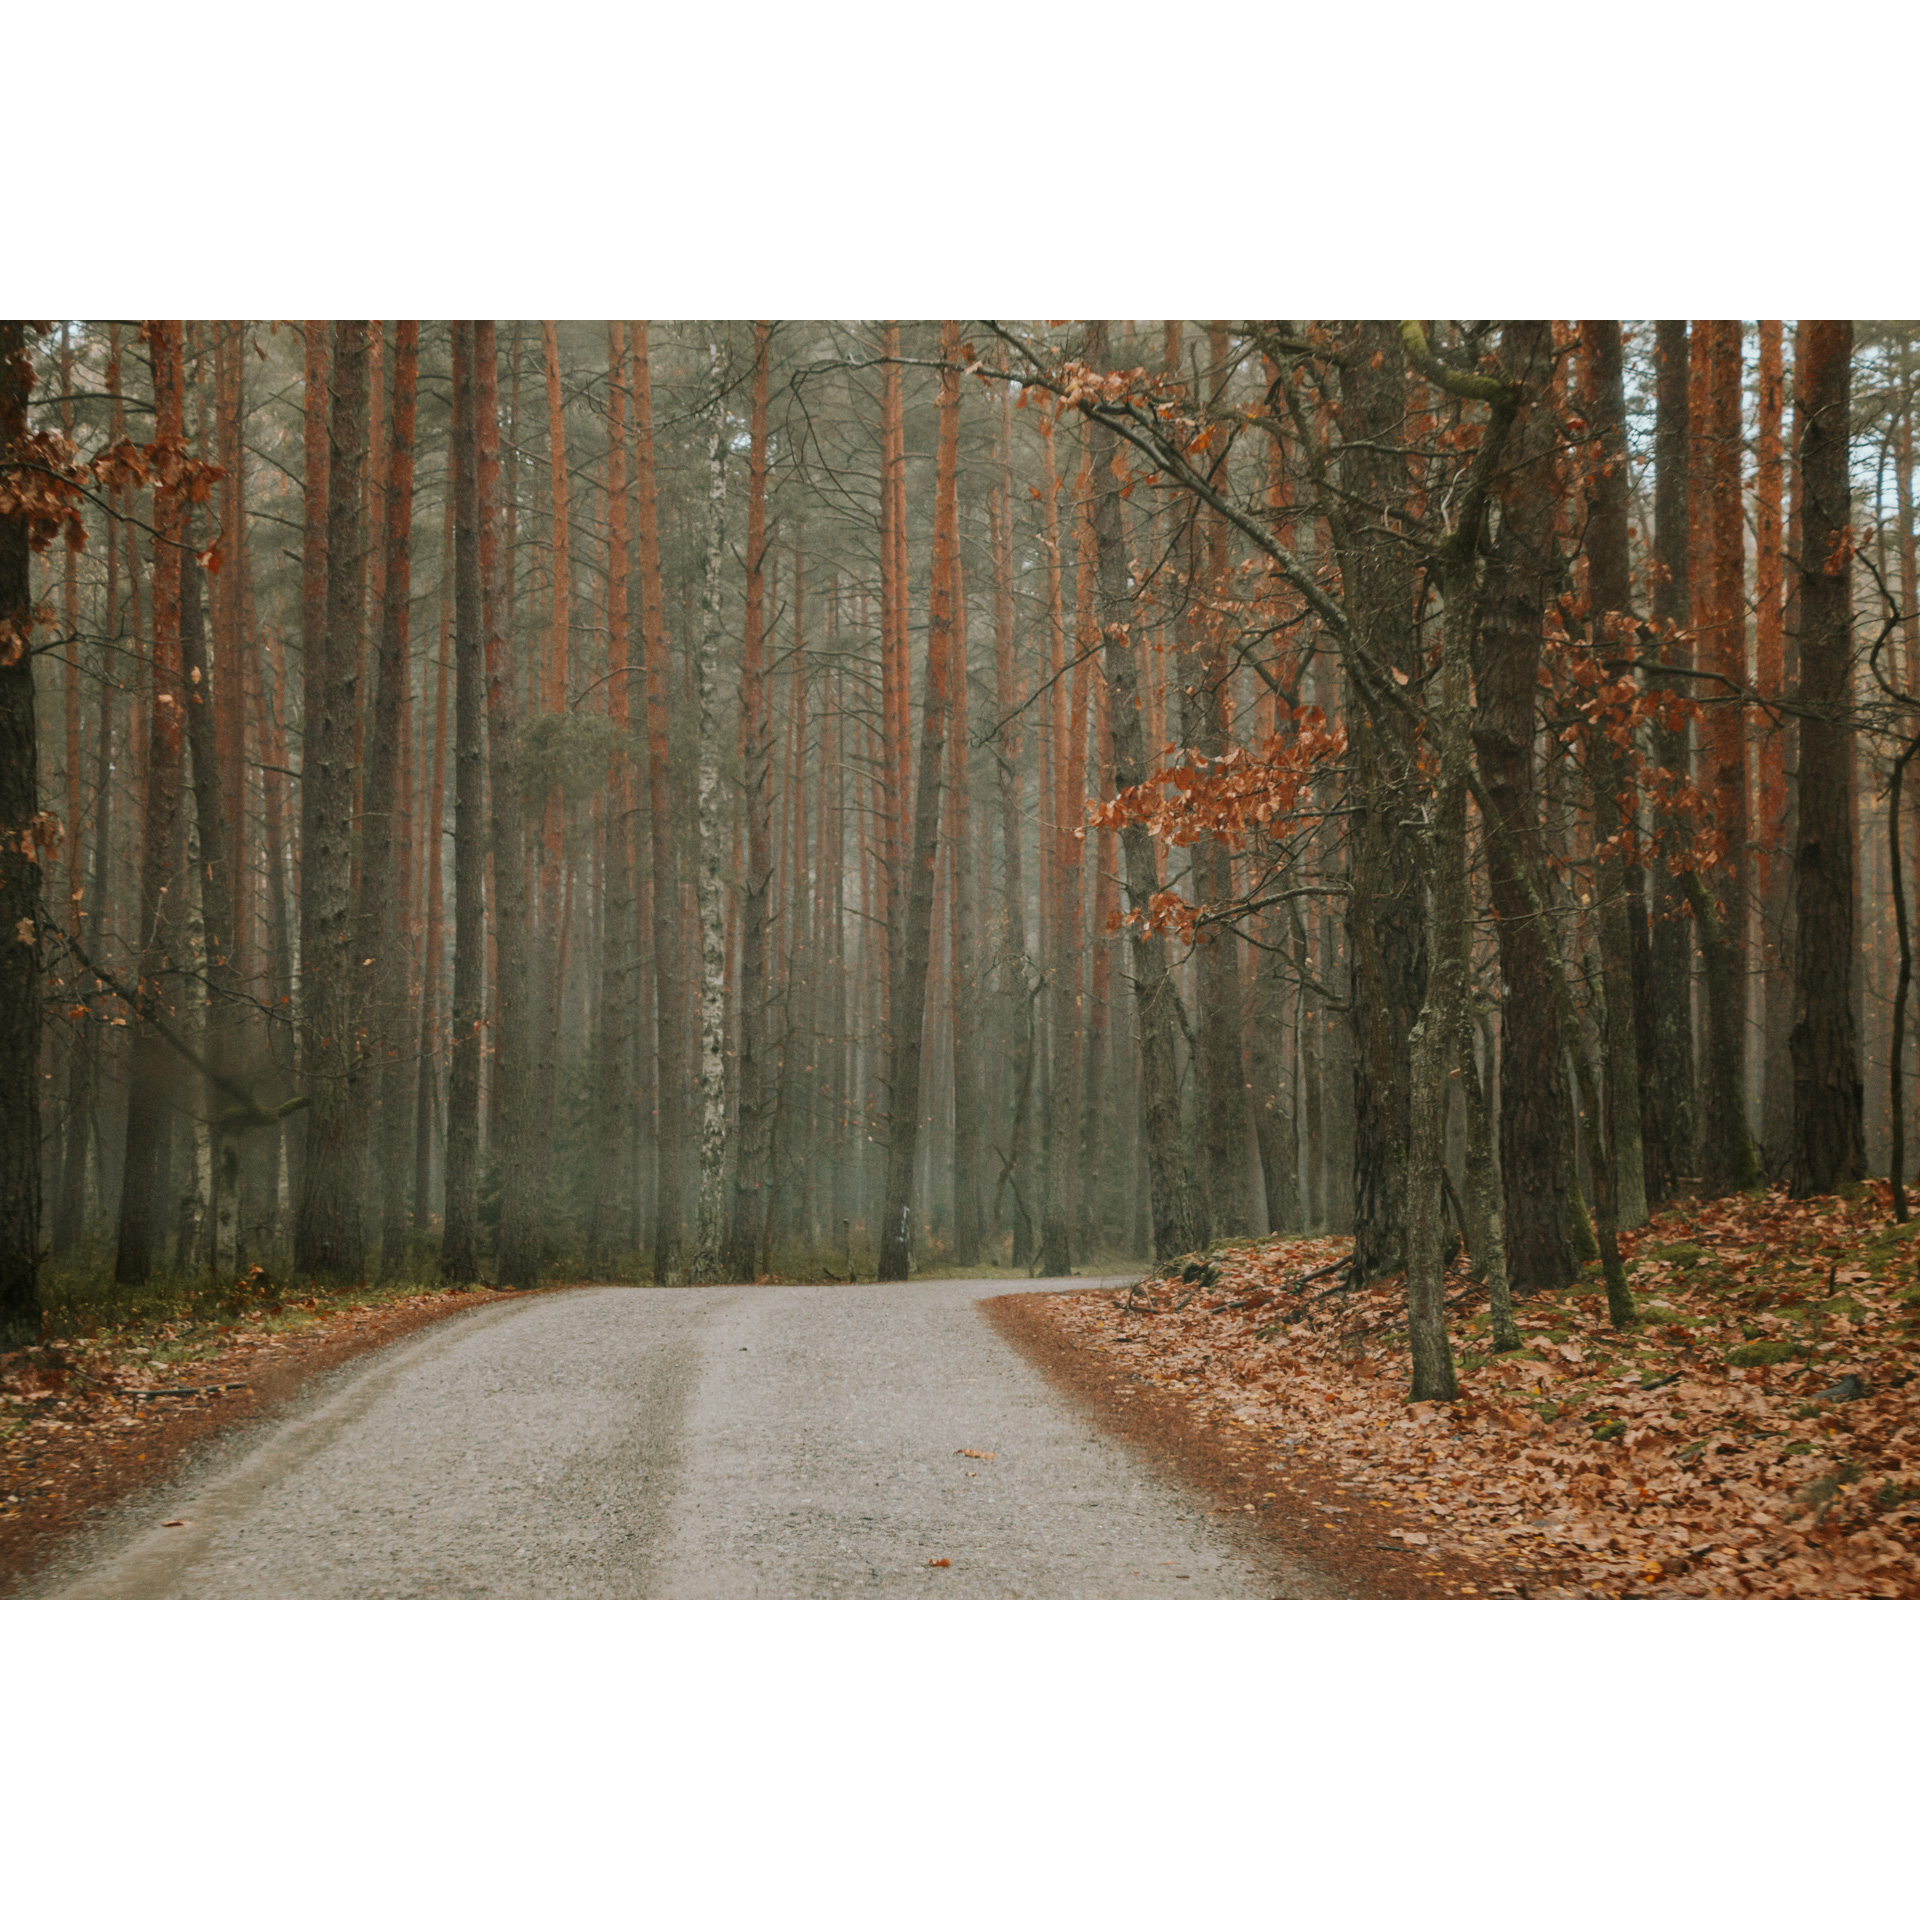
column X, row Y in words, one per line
column 44, row 482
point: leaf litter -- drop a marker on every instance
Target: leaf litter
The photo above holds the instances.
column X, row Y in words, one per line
column 1753, row 1434
column 85, row 1420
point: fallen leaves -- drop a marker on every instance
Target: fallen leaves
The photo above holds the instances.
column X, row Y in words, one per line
column 83, row 1421
column 972, row 1453
column 1588, row 1463
column 939, row 1563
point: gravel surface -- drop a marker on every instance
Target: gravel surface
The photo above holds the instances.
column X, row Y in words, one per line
column 714, row 1443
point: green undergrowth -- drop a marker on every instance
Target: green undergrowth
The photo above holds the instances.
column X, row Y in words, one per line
column 80, row 1300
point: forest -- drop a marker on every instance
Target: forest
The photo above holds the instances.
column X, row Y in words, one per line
column 674, row 803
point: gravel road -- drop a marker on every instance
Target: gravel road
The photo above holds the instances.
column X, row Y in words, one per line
column 713, row 1443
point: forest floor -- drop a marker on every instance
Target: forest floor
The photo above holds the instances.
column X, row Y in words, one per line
column 1756, row 1432
column 87, row 1419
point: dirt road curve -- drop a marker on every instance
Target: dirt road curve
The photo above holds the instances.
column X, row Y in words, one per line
column 717, row 1443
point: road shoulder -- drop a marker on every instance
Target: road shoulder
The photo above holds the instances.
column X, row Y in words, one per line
column 1271, row 1496
column 93, row 1441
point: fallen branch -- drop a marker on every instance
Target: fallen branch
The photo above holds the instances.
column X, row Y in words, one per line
column 1320, row 1273
column 182, row 1393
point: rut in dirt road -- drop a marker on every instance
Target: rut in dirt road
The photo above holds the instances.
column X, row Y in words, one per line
column 700, row 1444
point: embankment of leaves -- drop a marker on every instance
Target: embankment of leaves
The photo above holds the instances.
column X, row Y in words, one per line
column 1757, row 1432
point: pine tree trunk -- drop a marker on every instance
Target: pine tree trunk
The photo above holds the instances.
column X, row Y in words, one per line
column 1773, row 834
column 1670, row 1077
column 1827, row 1133
column 1727, row 1153
column 669, row 1202
column 1013, row 964
column 459, row 1240
column 500, row 829
column 1173, row 1201
column 969, row 1213
column 1610, row 592
column 161, row 869
column 711, row 1224
column 328, row 1233
column 753, row 1160
column 426, row 1099
column 215, row 874
column 610, row 1225
column 1386, row 923
column 382, row 907
column 1222, row 1080
column 1103, row 1127
column 906, row 1050
column 20, row 890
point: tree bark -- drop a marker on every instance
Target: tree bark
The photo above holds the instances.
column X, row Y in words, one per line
column 1827, row 1092
column 221, row 988
column 910, row 979
column 327, row 1234
column 1773, row 835
column 708, row 1265
column 161, row 873
column 1727, row 1152
column 1540, row 1250
column 20, row 890
column 459, row 1240
column 1610, row 595
column 426, row 1099
column 381, row 906
column 1222, row 1078
column 1174, row 1204
column 753, row 1162
column 1386, row 920
column 969, row 1212
column 1670, row 1081
column 609, row 1225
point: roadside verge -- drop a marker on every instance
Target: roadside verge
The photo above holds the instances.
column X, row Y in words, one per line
column 83, row 1423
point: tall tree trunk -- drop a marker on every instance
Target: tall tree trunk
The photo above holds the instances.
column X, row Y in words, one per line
column 459, row 1240
column 1540, row 1250
column 426, row 1099
column 514, row 1038
column 20, row 886
column 1013, row 881
column 1670, row 1077
column 669, row 1201
column 1174, row 1204
column 1222, row 1081
column 327, row 1234
column 969, row 1212
column 215, row 875
column 160, row 868
column 382, row 906
column 1772, row 838
column 1064, row 1150
column 1386, row 922
column 753, row 1161
column 712, row 1220
column 1610, row 593
column 75, row 1036
column 1104, row 1128
column 609, row 1226
column 910, row 979
column 1727, row 1152
column 1827, row 1133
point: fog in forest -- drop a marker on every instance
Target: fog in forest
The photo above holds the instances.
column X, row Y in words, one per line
column 683, row 802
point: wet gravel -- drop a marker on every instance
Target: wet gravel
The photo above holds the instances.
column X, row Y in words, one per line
column 715, row 1443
